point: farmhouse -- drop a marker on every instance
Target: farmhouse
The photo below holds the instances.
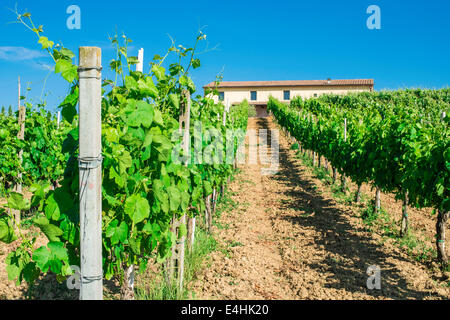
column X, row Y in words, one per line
column 257, row 93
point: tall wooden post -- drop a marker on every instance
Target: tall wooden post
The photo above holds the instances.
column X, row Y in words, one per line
column 358, row 193
column 441, row 223
column 345, row 139
column 405, row 222
column 377, row 200
column 21, row 136
column 178, row 251
column 191, row 232
column 90, row 158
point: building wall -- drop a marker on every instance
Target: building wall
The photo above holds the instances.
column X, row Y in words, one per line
column 237, row 95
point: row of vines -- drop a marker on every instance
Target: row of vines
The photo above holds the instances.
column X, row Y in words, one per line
column 143, row 188
column 398, row 141
column 43, row 159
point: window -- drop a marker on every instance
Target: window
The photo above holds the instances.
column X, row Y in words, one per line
column 286, row 95
column 253, row 95
column 315, row 95
column 221, row 96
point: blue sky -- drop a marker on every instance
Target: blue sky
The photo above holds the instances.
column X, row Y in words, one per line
column 251, row 40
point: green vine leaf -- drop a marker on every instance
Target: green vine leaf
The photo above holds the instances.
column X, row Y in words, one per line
column 68, row 70
column 45, row 42
column 51, row 231
column 137, row 208
column 16, row 201
column 117, row 233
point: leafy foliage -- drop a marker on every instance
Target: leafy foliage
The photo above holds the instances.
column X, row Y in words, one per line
column 396, row 140
column 43, row 159
column 143, row 187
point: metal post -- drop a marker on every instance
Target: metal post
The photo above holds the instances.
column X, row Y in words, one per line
column 90, row 173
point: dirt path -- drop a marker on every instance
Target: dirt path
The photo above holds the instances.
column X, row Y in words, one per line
column 287, row 239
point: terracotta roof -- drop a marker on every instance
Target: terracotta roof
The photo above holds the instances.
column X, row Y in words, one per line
column 252, row 102
column 292, row 83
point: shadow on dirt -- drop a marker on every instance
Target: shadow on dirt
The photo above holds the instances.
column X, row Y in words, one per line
column 48, row 288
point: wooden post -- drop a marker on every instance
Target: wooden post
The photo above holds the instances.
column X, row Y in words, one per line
column 312, row 151
column 127, row 289
column 214, row 201
column 21, row 136
column 171, row 262
column 191, row 233
column 334, row 174
column 441, row 223
column 185, row 118
column 319, row 161
column 345, row 129
column 208, row 213
column 358, row 193
column 90, row 173
column 210, row 216
column 405, row 222
column 377, row 200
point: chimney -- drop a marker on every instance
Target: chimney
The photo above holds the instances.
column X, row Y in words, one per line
column 329, row 80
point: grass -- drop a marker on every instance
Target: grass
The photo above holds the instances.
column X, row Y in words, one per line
column 320, row 173
column 342, row 197
column 414, row 247
column 369, row 214
column 154, row 286
column 247, row 182
column 225, row 204
column 26, row 223
column 235, row 244
column 222, row 226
